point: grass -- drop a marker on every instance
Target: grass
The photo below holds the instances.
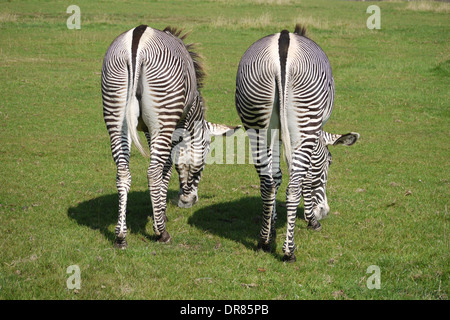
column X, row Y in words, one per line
column 429, row 6
column 388, row 194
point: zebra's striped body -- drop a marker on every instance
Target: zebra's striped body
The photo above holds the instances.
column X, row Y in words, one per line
column 284, row 83
column 150, row 82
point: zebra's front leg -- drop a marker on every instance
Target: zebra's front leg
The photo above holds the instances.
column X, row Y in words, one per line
column 309, row 206
column 123, row 187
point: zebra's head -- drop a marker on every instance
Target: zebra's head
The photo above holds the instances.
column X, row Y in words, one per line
column 320, row 162
column 191, row 159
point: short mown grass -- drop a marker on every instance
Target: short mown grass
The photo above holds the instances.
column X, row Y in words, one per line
column 388, row 193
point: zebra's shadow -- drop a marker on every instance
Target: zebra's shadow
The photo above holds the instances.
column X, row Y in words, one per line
column 240, row 221
column 101, row 214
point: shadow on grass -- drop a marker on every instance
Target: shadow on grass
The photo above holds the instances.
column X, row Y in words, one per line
column 238, row 220
column 101, row 213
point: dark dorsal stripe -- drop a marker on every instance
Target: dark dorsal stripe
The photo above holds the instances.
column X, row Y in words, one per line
column 137, row 34
column 283, row 47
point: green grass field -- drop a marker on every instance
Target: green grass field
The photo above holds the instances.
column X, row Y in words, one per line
column 389, row 193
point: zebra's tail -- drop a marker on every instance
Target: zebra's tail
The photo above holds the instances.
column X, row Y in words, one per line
column 285, row 137
column 282, row 94
column 132, row 105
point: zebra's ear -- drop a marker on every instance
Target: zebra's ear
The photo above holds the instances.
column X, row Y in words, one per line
column 220, row 129
column 346, row 139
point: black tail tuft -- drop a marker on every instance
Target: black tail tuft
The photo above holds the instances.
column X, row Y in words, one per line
column 176, row 32
column 300, row 30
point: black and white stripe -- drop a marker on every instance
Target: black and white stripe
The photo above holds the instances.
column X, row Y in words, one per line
column 150, row 82
column 284, row 82
column 315, row 183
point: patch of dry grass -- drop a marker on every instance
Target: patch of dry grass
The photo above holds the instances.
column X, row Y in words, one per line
column 261, row 21
column 267, row 20
column 430, row 6
column 258, row 2
column 8, row 17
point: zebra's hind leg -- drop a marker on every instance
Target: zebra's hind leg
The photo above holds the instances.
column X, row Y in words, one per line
column 157, row 174
column 277, row 177
column 269, row 188
column 155, row 183
column 298, row 174
column 268, row 194
column 120, row 146
column 262, row 158
column 293, row 196
column 167, row 173
column 123, row 187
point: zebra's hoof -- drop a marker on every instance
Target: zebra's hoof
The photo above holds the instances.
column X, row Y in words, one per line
column 289, row 258
column 164, row 237
column 120, row 243
column 314, row 225
column 264, row 246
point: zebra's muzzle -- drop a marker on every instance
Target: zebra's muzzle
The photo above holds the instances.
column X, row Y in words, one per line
column 321, row 211
column 187, row 201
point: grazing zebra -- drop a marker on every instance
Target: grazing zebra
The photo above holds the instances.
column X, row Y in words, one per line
column 150, row 82
column 315, row 183
column 284, row 82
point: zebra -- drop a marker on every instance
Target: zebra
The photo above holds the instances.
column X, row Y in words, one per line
column 150, row 82
column 315, row 183
column 284, row 84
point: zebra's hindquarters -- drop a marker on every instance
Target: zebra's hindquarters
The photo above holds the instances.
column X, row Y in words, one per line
column 150, row 82
column 144, row 81
column 258, row 98
column 309, row 91
column 289, row 76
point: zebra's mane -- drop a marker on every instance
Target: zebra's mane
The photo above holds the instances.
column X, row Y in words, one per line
column 300, row 30
column 197, row 58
